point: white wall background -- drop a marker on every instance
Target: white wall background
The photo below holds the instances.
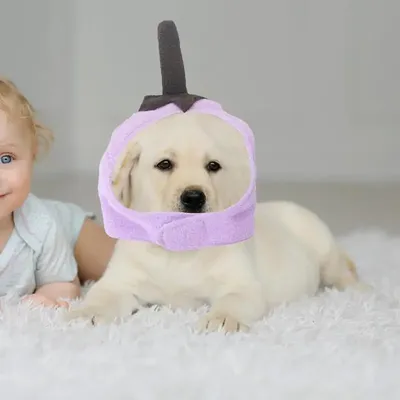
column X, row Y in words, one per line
column 318, row 80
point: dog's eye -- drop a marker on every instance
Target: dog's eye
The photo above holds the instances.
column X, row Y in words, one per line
column 165, row 165
column 213, row 166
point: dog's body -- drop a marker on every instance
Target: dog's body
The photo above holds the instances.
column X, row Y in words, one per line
column 291, row 254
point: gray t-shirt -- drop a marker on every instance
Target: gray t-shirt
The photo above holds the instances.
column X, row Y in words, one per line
column 40, row 249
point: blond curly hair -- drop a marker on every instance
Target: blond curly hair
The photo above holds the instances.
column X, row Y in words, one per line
column 20, row 111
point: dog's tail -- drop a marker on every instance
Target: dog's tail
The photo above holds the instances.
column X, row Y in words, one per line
column 340, row 271
column 351, row 266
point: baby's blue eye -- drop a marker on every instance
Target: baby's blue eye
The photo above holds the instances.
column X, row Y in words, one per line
column 6, row 159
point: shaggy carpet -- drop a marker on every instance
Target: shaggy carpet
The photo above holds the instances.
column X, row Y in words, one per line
column 333, row 346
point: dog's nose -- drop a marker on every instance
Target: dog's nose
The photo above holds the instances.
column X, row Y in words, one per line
column 193, row 200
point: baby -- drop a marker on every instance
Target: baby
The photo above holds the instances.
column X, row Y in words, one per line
column 46, row 247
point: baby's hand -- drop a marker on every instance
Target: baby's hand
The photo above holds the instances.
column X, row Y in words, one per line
column 49, row 295
column 40, row 299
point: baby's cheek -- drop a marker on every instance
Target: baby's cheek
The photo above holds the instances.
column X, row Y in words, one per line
column 21, row 174
column 19, row 182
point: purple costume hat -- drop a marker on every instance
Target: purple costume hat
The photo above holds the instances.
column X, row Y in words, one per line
column 174, row 231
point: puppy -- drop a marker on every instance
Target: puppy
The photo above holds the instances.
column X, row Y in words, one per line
column 195, row 163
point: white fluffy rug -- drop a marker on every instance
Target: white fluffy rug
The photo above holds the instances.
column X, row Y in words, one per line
column 335, row 346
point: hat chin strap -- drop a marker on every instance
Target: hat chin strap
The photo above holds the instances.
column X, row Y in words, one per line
column 186, row 232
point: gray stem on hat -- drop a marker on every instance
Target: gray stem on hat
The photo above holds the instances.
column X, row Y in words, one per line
column 171, row 61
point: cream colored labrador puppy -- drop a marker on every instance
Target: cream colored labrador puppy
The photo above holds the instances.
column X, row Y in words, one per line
column 197, row 163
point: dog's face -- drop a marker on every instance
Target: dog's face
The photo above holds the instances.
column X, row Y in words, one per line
column 188, row 162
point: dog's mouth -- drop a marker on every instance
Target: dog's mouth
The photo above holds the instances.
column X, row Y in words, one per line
column 190, row 211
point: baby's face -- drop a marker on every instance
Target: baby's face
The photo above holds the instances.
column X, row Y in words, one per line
column 16, row 164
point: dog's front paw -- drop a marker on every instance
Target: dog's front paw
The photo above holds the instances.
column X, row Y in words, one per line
column 213, row 322
column 104, row 312
column 96, row 314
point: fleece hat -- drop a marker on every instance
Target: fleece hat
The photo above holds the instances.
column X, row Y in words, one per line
column 174, row 231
